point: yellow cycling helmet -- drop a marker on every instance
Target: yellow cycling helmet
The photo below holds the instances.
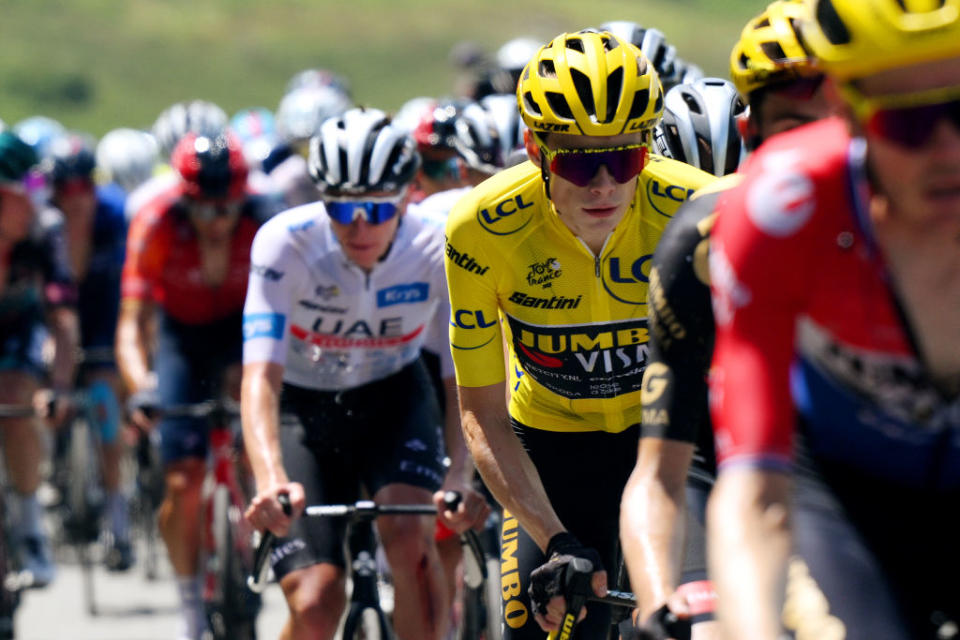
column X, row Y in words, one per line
column 856, row 38
column 770, row 48
column 589, row 83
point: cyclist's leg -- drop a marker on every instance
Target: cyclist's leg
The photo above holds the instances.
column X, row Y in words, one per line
column 21, row 370
column 880, row 558
column 103, row 387
column 403, row 463
column 182, row 364
column 420, row 589
column 309, row 562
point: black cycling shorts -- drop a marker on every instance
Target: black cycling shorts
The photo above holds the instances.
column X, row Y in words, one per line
column 874, row 560
column 584, row 474
column 386, row 432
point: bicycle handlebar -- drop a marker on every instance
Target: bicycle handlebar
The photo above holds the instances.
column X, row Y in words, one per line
column 360, row 510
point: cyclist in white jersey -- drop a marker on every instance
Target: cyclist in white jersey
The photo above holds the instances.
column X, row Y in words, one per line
column 343, row 295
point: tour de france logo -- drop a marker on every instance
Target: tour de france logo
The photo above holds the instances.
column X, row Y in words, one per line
column 544, row 273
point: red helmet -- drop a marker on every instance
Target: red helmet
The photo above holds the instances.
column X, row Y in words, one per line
column 211, row 168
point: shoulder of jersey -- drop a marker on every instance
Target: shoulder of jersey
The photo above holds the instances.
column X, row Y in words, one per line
column 676, row 172
column 304, row 220
column 493, row 204
column 665, row 184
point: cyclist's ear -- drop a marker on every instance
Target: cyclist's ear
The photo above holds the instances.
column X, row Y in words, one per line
column 533, row 149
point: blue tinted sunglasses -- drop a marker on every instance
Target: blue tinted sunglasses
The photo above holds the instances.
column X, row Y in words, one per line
column 373, row 212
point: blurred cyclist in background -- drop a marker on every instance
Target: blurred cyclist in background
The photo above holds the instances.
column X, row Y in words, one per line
column 127, row 158
column 299, row 116
column 188, row 259
column 95, row 231
column 37, row 301
column 195, row 116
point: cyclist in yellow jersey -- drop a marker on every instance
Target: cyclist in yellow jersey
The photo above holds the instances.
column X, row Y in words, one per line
column 552, row 258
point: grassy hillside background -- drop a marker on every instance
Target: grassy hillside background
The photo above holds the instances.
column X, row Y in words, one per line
column 99, row 64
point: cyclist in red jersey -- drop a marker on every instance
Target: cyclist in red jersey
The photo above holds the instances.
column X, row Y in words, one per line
column 188, row 257
column 835, row 386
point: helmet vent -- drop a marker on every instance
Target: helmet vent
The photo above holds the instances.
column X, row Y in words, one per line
column 609, row 44
column 659, row 104
column 831, row 24
column 762, row 24
column 576, row 44
column 558, row 104
column 706, row 153
column 639, row 106
column 547, row 70
column 531, row 104
column 773, row 50
column 582, row 83
column 692, row 103
column 795, row 26
column 614, row 89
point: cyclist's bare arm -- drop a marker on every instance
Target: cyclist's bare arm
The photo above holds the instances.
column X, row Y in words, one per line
column 505, row 466
column 748, row 541
column 65, row 329
column 132, row 345
column 652, row 519
column 260, row 415
column 474, row 508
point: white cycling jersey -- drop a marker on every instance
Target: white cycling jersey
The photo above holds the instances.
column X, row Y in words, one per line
column 332, row 325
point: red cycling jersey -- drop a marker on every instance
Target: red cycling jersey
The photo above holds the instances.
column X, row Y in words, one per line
column 808, row 322
column 163, row 264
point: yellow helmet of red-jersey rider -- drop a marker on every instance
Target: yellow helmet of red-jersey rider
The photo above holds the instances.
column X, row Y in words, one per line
column 856, row 38
column 770, row 48
column 589, row 83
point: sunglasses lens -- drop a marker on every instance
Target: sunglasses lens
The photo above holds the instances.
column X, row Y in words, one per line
column 373, row 212
column 911, row 127
column 580, row 168
column 207, row 211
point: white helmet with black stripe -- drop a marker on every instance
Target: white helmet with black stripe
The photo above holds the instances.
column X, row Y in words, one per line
column 488, row 131
column 204, row 118
column 362, row 152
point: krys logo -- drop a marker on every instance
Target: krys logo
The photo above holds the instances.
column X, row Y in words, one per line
column 626, row 279
column 544, row 273
column 665, row 198
column 508, row 216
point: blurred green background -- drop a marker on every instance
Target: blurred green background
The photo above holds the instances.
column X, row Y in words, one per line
column 99, row 64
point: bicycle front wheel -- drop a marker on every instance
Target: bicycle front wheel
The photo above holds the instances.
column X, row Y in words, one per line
column 231, row 606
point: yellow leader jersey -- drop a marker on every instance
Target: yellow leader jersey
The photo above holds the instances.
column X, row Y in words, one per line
column 575, row 323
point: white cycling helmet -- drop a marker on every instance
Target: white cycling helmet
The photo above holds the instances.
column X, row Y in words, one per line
column 196, row 116
column 653, row 44
column 687, row 72
column 488, row 131
column 302, row 111
column 127, row 157
column 39, row 132
column 514, row 55
column 362, row 152
column 699, row 126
